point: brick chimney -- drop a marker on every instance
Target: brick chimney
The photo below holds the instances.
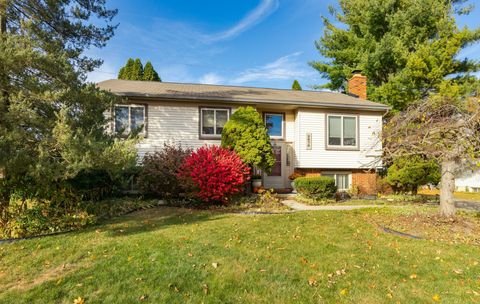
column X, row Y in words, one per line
column 357, row 85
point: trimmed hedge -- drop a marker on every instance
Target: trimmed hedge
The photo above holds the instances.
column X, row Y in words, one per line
column 320, row 187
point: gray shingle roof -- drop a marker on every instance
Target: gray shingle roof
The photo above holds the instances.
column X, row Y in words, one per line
column 186, row 91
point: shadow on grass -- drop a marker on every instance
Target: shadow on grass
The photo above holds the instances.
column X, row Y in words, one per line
column 155, row 219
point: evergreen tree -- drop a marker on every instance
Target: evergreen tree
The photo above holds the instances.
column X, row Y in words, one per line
column 137, row 70
column 121, row 73
column 127, row 70
column 407, row 49
column 296, row 86
column 51, row 122
column 149, row 73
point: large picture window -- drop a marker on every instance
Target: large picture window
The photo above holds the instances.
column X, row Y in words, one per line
column 274, row 124
column 129, row 118
column 212, row 121
column 342, row 131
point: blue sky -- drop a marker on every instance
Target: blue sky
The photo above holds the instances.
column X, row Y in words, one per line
column 261, row 43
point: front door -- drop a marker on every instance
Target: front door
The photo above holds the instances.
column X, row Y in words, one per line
column 276, row 178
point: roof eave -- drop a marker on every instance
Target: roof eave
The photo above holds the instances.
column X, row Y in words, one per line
column 380, row 107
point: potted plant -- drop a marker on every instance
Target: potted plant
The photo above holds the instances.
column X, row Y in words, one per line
column 292, row 177
column 256, row 182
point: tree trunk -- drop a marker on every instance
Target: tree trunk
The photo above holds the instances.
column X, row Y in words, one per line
column 3, row 17
column 447, row 187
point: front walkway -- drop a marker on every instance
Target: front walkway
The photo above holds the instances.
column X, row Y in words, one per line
column 303, row 207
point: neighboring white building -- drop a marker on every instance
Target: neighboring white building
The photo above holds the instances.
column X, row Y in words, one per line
column 468, row 181
column 312, row 132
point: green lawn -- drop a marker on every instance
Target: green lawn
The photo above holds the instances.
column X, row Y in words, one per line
column 168, row 255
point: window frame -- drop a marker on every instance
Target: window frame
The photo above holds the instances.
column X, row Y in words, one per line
column 131, row 105
column 283, row 123
column 335, row 173
column 342, row 146
column 200, row 121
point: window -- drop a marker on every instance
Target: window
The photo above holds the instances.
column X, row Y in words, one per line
column 342, row 131
column 212, row 121
column 342, row 180
column 129, row 118
column 274, row 124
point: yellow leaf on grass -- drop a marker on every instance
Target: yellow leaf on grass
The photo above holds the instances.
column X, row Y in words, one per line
column 79, row 300
column 389, row 295
column 312, row 281
column 413, row 276
column 436, row 298
column 343, row 292
column 215, row 265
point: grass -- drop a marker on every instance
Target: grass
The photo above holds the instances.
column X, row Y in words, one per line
column 171, row 255
column 466, row 196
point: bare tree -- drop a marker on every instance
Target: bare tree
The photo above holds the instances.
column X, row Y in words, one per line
column 446, row 129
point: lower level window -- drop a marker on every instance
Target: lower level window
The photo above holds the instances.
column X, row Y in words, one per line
column 342, row 180
column 129, row 118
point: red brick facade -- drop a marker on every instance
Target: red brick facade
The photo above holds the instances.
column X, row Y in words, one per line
column 366, row 181
column 358, row 85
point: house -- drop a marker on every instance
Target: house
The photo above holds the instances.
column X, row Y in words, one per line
column 468, row 181
column 312, row 132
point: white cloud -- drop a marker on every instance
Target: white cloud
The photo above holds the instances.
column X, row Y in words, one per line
column 211, row 78
column 264, row 9
column 286, row 67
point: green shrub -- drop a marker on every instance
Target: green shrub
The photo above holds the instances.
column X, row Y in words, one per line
column 246, row 133
column 320, row 187
column 406, row 174
column 27, row 217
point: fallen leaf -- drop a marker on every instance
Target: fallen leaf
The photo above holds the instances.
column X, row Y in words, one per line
column 458, row 271
column 312, row 281
column 215, row 265
column 389, row 295
column 436, row 298
column 343, row 292
column 190, row 254
column 79, row 300
column 143, row 297
column 205, row 288
column 413, row 276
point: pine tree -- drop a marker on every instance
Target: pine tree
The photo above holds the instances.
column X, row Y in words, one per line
column 296, row 86
column 407, row 49
column 149, row 73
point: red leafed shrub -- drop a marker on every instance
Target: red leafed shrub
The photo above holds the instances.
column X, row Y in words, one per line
column 215, row 173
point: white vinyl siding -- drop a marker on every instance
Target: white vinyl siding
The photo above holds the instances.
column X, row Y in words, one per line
column 174, row 122
column 313, row 121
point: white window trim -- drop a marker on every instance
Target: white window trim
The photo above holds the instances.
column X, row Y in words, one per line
column 128, row 130
column 334, row 173
column 207, row 136
column 283, row 123
column 341, row 145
